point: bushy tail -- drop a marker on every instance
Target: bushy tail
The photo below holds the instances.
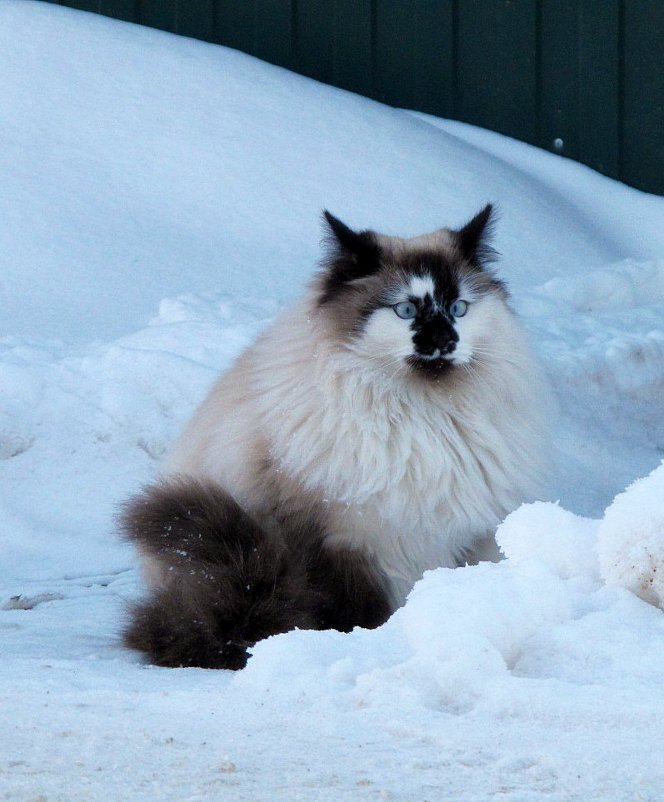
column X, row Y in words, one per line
column 220, row 583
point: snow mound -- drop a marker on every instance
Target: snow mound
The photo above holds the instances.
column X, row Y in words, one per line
column 623, row 549
column 516, row 640
column 616, row 287
column 630, row 539
column 546, row 532
column 613, row 315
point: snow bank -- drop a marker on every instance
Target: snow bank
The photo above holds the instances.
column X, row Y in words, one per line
column 545, row 679
column 463, row 629
column 631, row 539
column 546, row 532
column 624, row 549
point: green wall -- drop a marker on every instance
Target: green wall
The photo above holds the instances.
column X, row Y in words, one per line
column 584, row 78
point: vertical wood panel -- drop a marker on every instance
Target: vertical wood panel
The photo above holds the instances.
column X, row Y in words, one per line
column 120, row 9
column 161, row 14
column 497, row 65
column 643, row 124
column 559, row 78
column 82, row 5
column 196, row 18
column 580, row 78
column 333, row 42
column 414, row 54
column 234, row 24
column 353, row 56
column 315, row 39
column 274, row 31
column 599, row 97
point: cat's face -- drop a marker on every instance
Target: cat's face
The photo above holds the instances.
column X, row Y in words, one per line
column 422, row 304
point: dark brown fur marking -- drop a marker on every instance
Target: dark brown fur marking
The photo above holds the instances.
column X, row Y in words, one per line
column 227, row 583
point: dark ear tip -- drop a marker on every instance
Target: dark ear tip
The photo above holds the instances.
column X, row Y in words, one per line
column 336, row 226
column 486, row 215
column 491, row 214
column 473, row 238
column 345, row 236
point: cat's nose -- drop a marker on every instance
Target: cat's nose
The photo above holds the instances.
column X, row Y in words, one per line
column 446, row 340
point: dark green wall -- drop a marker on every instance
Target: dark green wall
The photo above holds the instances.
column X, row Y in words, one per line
column 584, row 78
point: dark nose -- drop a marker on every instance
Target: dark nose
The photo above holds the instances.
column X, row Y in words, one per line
column 437, row 334
column 444, row 336
column 445, row 345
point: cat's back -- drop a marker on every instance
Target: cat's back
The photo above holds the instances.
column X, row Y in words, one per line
column 222, row 435
column 229, row 438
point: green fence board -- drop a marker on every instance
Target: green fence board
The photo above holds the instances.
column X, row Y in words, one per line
column 120, row 9
column 599, row 80
column 558, row 78
column 584, row 78
column 353, row 45
column 643, row 95
column 333, row 42
column 316, row 41
column 234, row 24
column 414, row 46
column 83, row 5
column 196, row 18
column 497, row 65
column 580, row 76
column 274, row 31
column 158, row 14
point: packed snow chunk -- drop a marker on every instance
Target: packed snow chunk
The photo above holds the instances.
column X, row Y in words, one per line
column 307, row 664
column 459, row 630
column 622, row 285
column 546, row 532
column 469, row 613
column 630, row 539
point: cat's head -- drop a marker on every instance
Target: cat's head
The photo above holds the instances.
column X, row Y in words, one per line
column 425, row 303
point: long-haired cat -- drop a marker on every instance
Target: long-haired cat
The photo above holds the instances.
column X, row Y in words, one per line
column 382, row 426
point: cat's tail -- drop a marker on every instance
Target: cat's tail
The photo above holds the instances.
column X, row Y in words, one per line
column 218, row 582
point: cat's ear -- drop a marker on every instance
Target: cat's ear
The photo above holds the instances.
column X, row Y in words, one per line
column 473, row 240
column 352, row 255
column 360, row 246
column 345, row 237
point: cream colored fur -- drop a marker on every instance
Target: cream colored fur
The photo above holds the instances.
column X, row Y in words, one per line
column 415, row 472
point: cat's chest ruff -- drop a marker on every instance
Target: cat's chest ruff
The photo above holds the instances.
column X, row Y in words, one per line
column 361, row 443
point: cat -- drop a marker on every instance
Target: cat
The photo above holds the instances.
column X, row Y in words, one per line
column 381, row 426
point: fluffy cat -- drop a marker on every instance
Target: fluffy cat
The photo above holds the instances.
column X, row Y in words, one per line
column 382, row 426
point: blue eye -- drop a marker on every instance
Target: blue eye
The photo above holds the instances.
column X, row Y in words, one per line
column 459, row 308
column 405, row 310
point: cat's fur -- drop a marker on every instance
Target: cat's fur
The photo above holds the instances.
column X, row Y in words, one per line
column 344, row 453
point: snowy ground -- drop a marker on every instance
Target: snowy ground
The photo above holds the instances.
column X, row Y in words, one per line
column 159, row 202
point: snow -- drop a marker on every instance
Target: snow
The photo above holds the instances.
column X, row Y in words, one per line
column 631, row 539
column 160, row 201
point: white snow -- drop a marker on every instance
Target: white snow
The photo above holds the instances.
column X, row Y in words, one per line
column 160, row 200
column 630, row 539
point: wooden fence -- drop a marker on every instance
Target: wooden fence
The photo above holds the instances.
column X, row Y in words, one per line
column 584, row 78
